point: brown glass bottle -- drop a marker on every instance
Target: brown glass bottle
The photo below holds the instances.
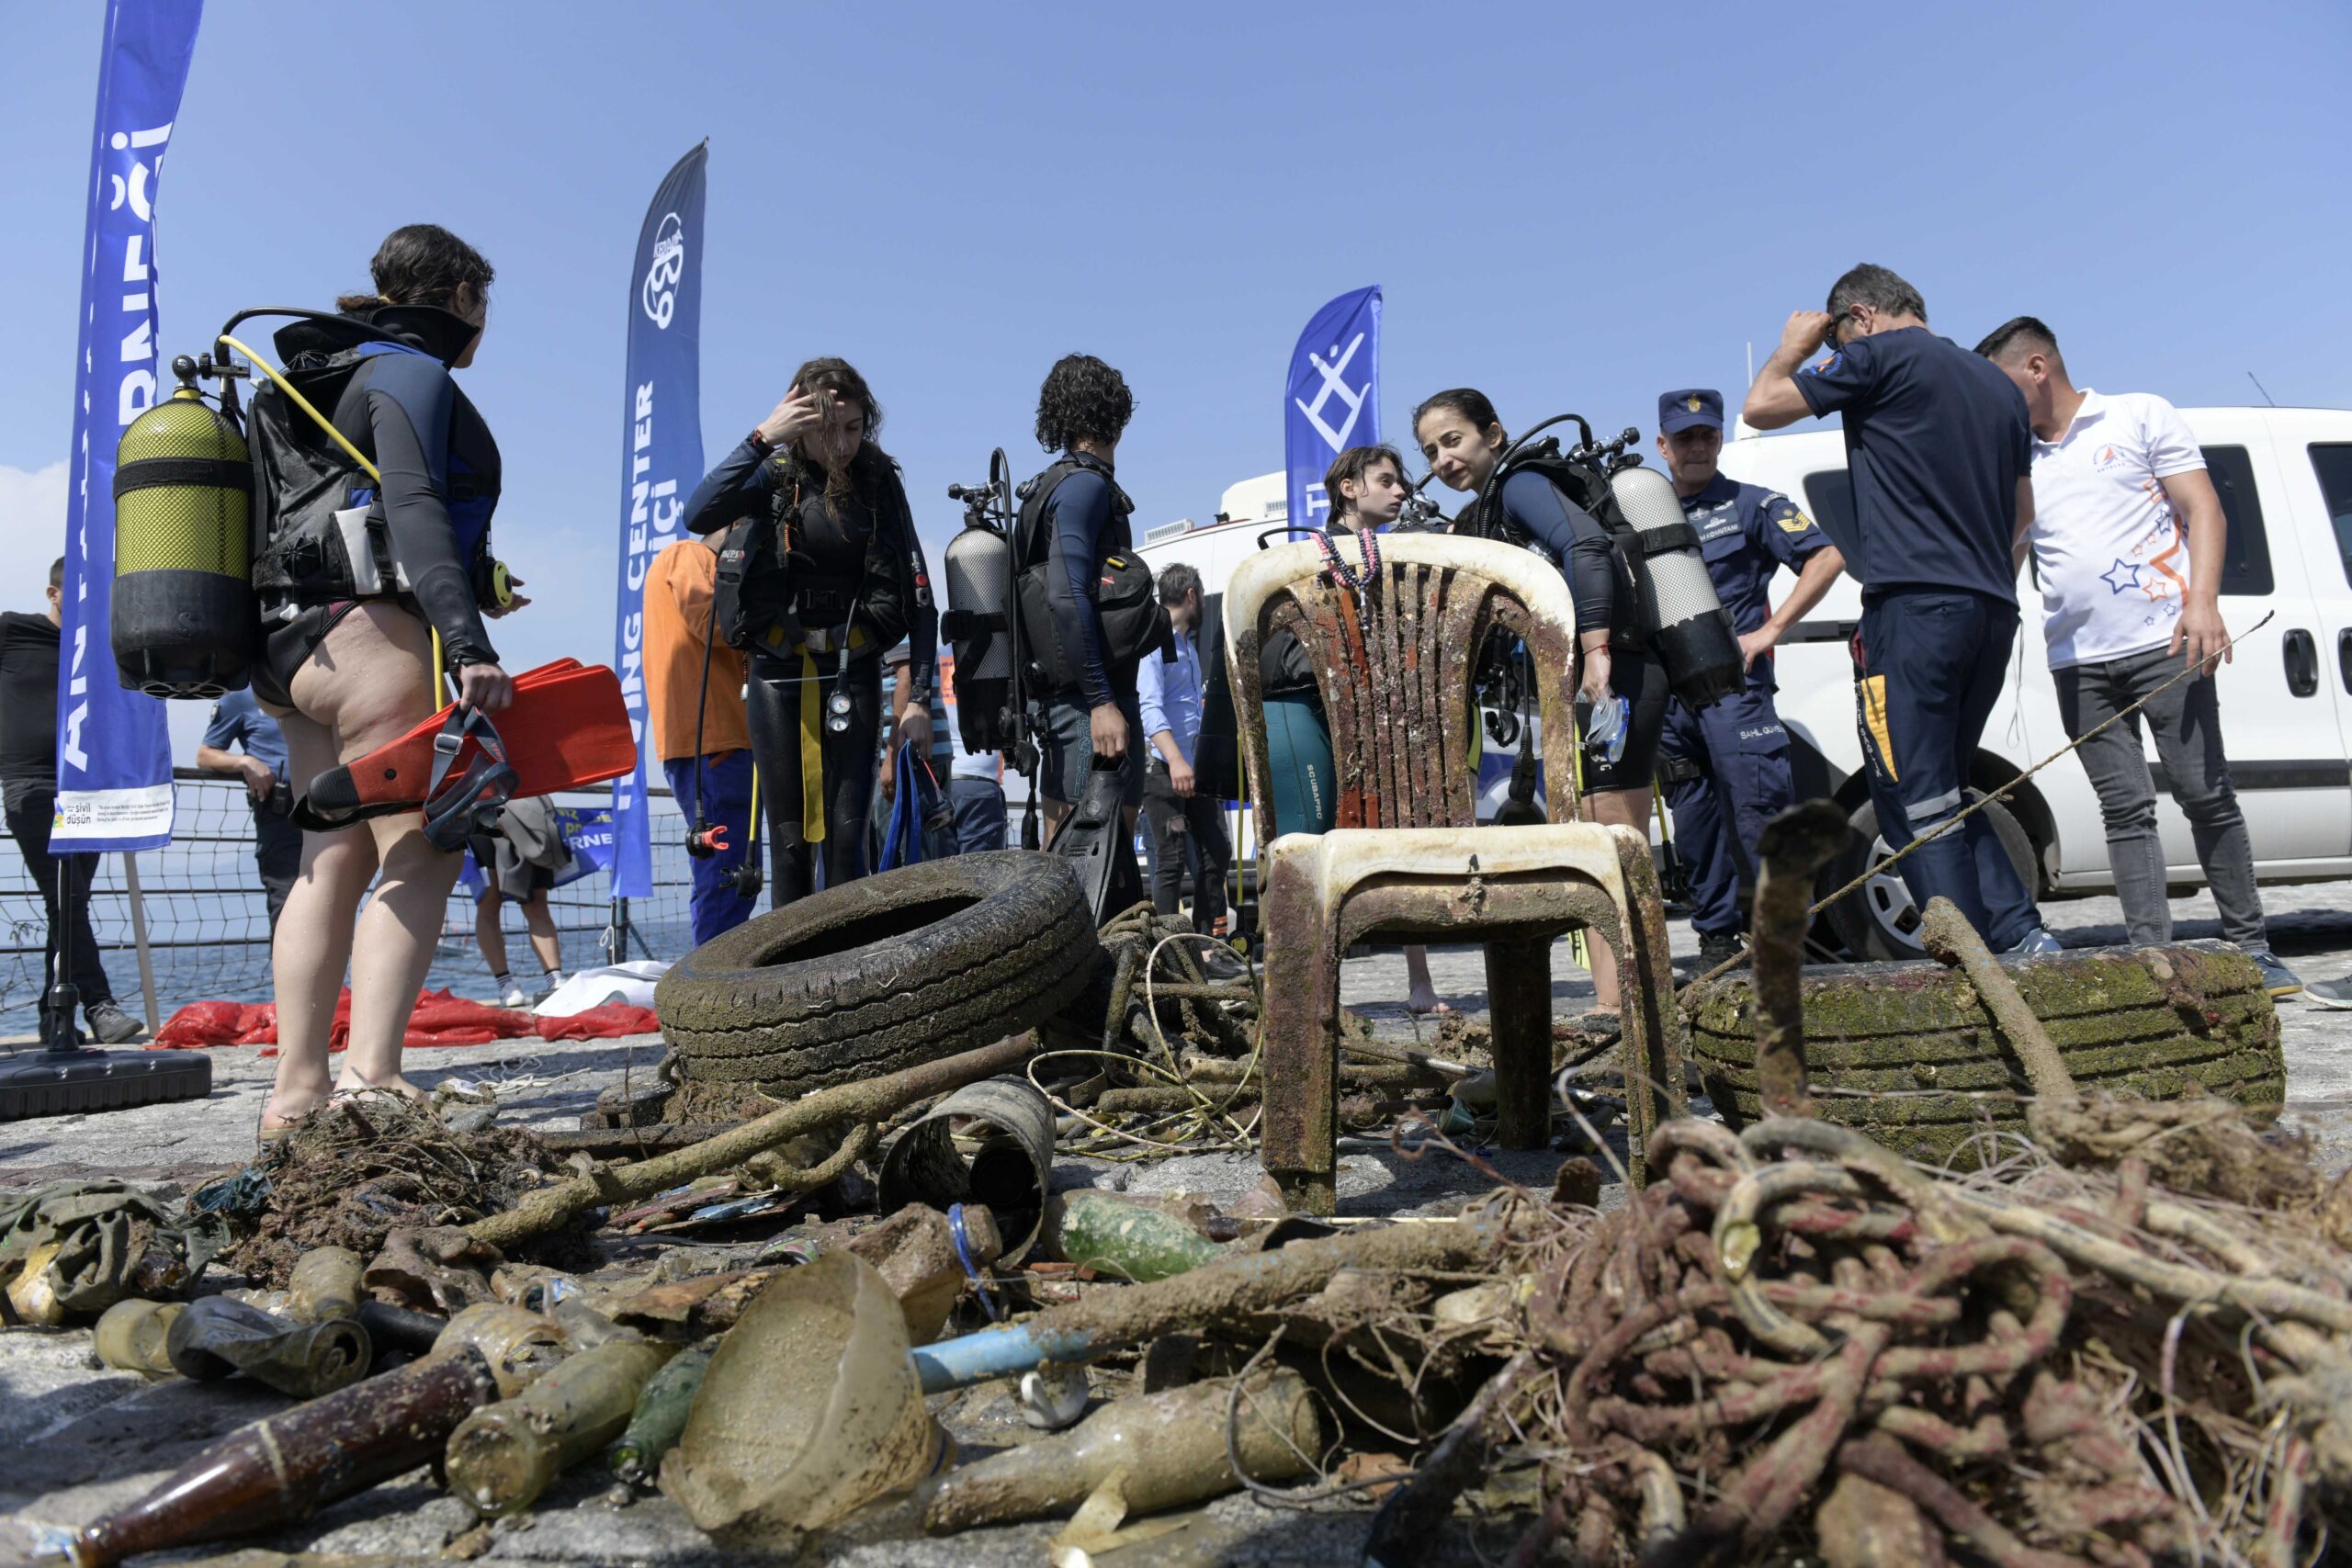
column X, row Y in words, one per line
column 290, row 1465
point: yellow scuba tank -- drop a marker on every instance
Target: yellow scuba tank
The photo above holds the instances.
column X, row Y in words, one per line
column 185, row 624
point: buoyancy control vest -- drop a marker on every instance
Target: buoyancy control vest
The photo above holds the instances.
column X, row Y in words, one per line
column 1125, row 597
column 323, row 534
column 800, row 570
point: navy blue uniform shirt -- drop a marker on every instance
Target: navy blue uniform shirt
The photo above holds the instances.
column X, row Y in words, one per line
column 237, row 720
column 1937, row 439
column 1748, row 533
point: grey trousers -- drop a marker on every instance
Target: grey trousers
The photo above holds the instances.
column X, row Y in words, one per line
column 2187, row 721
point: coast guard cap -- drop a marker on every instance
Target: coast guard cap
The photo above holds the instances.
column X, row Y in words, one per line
column 1692, row 406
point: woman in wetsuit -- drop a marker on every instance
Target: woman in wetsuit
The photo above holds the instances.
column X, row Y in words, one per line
column 344, row 673
column 1367, row 490
column 831, row 575
column 1463, row 443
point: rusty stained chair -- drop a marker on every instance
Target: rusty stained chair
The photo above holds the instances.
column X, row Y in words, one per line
column 1405, row 857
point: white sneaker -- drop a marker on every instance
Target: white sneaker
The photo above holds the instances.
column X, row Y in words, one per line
column 514, row 996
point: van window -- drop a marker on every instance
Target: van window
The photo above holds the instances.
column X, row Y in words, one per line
column 2334, row 465
column 2246, row 562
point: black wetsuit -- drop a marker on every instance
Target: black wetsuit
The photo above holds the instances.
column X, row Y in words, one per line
column 852, row 571
column 28, row 652
column 441, row 473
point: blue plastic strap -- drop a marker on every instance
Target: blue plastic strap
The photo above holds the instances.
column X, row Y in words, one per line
column 964, row 1256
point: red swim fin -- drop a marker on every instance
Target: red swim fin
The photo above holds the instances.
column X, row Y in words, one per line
column 566, row 729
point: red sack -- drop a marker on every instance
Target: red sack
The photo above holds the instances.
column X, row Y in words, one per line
column 606, row 1020
column 444, row 1019
column 198, row 1024
column 257, row 1024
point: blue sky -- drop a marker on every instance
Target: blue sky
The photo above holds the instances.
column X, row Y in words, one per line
column 1568, row 206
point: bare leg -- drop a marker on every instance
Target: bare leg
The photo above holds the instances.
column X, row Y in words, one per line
column 311, row 950
column 369, row 683
column 1617, row 808
column 546, row 942
column 488, row 934
column 1420, row 992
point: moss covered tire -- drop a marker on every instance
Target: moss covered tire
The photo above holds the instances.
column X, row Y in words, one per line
column 1907, row 1053
column 880, row 974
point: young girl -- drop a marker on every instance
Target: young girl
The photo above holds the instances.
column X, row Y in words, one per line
column 1367, row 488
column 1463, row 441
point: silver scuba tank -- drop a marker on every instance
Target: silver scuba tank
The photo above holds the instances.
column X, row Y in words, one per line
column 1679, row 612
column 978, row 625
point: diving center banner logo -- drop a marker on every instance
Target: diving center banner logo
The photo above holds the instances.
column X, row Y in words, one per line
column 114, row 749
column 660, row 463
column 1331, row 399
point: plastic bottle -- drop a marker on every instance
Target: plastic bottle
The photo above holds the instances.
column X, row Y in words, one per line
column 1124, row 1238
column 661, row 1416
column 503, row 1456
column 1172, row 1445
column 291, row 1464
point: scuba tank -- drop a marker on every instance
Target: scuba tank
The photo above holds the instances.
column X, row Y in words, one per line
column 184, row 622
column 980, row 624
column 1680, row 611
column 1676, row 610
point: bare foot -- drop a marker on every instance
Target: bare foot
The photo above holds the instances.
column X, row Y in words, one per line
column 349, row 1083
column 284, row 1113
column 1424, row 998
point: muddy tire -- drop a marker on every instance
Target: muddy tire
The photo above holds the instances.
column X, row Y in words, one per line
column 881, row 974
column 1906, row 1052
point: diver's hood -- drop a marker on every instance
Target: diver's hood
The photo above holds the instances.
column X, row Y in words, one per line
column 426, row 328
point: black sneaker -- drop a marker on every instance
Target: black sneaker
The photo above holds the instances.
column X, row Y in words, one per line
column 1716, row 946
column 111, row 1024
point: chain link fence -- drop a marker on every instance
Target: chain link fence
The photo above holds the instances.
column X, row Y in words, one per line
column 208, row 920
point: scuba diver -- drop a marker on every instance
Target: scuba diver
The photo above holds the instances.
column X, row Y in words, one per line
column 1621, row 704
column 821, row 573
column 348, row 667
column 1367, row 489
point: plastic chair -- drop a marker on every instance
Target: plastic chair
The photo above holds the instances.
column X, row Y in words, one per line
column 1406, row 858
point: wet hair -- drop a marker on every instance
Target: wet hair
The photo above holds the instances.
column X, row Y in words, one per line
column 422, row 264
column 57, row 572
column 1354, row 464
column 1880, row 288
column 831, row 381
column 2022, row 335
column 1082, row 397
column 1467, row 402
column 1176, row 582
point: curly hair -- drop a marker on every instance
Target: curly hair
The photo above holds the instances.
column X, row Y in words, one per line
column 1082, row 397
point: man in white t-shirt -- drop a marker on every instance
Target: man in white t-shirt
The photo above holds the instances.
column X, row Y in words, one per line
column 2127, row 537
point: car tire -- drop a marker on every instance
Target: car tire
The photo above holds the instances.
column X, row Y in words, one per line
column 1908, row 1054
column 1877, row 921
column 881, row 974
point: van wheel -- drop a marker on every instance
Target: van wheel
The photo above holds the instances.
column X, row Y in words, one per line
column 881, row 974
column 1879, row 920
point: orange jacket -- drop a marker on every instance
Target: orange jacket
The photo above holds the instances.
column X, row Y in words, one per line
column 678, row 588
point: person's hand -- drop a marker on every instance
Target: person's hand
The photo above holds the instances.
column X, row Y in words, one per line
column 1180, row 778
column 1595, row 688
column 1108, row 728
column 1806, row 331
column 514, row 600
column 2200, row 634
column 914, row 728
column 484, row 686
column 259, row 776
column 1754, row 645
column 790, row 420
column 889, row 780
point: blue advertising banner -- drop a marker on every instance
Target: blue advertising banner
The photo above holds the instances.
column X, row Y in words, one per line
column 661, row 463
column 589, row 831
column 1331, row 397
column 114, row 749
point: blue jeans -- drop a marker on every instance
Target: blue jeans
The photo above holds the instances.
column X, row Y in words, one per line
column 725, row 799
column 1744, row 750
column 1930, row 666
column 979, row 808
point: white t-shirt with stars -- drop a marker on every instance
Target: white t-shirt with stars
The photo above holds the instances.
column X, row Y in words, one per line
column 2109, row 551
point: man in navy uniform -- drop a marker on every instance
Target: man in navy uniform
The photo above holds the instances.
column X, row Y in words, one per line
column 1725, row 768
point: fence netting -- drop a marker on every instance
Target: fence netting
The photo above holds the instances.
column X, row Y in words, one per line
column 208, row 920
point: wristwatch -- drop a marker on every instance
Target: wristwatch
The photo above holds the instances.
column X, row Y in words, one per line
column 758, row 442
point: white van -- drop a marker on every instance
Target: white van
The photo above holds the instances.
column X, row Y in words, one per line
column 2285, row 479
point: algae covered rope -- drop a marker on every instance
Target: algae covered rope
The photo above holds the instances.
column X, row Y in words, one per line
column 1734, row 962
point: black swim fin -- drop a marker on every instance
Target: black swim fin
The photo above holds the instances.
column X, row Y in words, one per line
column 1095, row 840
